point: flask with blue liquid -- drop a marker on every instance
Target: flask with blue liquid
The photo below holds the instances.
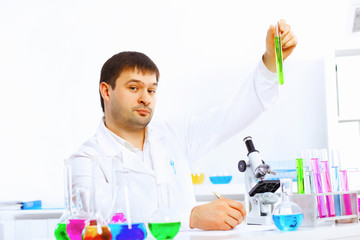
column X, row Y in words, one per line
column 124, row 221
column 287, row 216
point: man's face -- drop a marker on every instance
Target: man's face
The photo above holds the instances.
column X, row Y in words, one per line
column 133, row 100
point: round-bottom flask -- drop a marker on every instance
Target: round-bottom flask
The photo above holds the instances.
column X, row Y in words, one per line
column 125, row 222
column 122, row 231
column 287, row 215
column 74, row 228
column 164, row 223
column 60, row 232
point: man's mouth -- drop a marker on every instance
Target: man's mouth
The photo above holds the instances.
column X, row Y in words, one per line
column 143, row 111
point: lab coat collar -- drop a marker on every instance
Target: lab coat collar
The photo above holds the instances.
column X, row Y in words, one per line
column 158, row 154
column 114, row 149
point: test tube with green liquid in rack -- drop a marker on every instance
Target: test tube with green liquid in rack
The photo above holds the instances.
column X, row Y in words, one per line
column 300, row 176
column 278, row 54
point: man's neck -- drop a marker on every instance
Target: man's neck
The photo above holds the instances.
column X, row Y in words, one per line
column 134, row 136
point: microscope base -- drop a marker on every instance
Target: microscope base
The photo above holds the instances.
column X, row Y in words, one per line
column 265, row 220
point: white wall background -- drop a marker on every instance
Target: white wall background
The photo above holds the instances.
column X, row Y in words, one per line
column 51, row 53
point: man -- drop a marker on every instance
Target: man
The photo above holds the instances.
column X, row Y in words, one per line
column 159, row 152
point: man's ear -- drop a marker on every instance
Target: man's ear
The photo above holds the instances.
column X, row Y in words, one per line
column 104, row 90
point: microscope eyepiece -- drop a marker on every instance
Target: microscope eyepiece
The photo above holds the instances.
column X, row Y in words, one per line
column 249, row 144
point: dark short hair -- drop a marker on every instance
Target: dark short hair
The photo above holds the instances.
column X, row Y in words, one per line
column 123, row 61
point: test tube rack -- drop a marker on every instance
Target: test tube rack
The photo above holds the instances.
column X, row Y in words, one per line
column 308, row 204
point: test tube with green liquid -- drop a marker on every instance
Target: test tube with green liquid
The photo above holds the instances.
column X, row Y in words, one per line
column 278, row 54
column 300, row 176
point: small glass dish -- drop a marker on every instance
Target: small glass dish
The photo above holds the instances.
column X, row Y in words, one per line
column 220, row 179
column 283, row 173
column 197, row 178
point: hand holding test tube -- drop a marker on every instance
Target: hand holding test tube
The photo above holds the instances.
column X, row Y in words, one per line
column 278, row 54
column 288, row 44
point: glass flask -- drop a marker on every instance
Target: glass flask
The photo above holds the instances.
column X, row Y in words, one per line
column 60, row 230
column 95, row 226
column 164, row 223
column 123, row 221
column 287, row 215
column 76, row 222
column 78, row 217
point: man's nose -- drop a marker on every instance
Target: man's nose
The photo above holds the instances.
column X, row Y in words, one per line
column 144, row 99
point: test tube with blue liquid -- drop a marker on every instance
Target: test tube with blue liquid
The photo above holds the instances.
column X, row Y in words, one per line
column 335, row 180
column 279, row 54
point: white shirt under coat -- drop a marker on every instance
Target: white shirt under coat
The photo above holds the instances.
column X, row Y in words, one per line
column 169, row 147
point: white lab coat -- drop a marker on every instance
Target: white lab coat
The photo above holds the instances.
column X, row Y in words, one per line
column 179, row 141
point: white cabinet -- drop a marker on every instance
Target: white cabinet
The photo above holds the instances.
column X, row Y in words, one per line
column 28, row 224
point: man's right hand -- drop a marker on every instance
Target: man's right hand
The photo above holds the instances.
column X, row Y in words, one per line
column 222, row 214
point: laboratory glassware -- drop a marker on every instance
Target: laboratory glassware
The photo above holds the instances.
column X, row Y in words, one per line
column 308, row 174
column 300, row 175
column 124, row 224
column 287, row 215
column 197, row 178
column 78, row 218
column 335, row 180
column 279, row 54
column 164, row 223
column 318, row 187
column 345, row 187
column 95, row 226
column 327, row 182
column 60, row 231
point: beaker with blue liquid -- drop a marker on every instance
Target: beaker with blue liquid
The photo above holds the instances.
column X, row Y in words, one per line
column 287, row 215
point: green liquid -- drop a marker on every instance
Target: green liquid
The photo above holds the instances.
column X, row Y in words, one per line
column 279, row 60
column 300, row 176
column 60, row 232
column 164, row 230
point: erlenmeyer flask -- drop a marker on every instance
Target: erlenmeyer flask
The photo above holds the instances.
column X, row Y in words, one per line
column 78, row 217
column 95, row 227
column 164, row 223
column 124, row 224
column 60, row 230
column 287, row 216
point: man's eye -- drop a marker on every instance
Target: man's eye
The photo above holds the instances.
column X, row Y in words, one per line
column 133, row 88
column 152, row 91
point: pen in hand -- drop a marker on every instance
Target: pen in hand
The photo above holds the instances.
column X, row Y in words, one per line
column 218, row 195
column 221, row 197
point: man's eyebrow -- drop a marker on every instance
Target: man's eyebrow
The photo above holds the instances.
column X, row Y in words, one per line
column 138, row 81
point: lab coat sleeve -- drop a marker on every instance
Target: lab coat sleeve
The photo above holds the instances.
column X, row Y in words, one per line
column 256, row 94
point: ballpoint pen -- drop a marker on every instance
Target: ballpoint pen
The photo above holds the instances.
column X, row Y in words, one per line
column 218, row 195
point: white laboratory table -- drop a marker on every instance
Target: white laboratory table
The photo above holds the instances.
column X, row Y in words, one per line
column 350, row 231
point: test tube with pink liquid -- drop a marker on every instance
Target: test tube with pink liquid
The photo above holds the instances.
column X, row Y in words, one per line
column 318, row 187
column 344, row 184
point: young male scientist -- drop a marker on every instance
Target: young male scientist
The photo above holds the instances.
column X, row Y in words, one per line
column 156, row 152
